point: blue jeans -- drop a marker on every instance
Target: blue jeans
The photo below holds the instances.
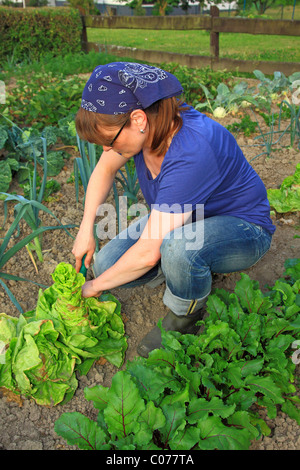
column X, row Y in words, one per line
column 189, row 256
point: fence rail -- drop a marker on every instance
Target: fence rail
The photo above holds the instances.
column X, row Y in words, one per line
column 212, row 23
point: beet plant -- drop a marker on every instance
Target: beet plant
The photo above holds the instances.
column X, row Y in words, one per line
column 203, row 392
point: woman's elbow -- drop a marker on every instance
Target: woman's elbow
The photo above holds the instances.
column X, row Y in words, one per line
column 152, row 258
column 149, row 252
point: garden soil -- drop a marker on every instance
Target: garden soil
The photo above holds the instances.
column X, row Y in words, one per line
column 24, row 425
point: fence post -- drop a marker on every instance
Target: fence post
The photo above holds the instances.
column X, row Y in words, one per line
column 214, row 36
column 84, row 38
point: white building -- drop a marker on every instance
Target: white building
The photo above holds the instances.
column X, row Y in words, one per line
column 227, row 6
column 120, row 8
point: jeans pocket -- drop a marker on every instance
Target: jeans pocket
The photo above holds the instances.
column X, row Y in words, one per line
column 263, row 241
column 256, row 230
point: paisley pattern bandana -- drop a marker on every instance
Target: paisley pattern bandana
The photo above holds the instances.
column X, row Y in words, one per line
column 119, row 87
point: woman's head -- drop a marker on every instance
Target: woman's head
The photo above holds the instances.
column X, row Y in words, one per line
column 161, row 120
column 115, row 91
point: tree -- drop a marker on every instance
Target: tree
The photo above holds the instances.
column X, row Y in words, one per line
column 86, row 7
column 262, row 5
column 185, row 4
column 161, row 6
column 136, row 5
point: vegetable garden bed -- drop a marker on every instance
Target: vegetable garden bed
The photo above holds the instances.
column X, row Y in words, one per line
column 26, row 425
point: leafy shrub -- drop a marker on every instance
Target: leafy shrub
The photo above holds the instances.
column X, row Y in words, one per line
column 30, row 32
column 200, row 392
column 193, row 79
column 44, row 99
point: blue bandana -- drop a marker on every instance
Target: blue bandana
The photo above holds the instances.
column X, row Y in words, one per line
column 120, row 87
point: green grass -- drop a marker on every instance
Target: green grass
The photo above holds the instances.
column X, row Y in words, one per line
column 235, row 46
column 276, row 12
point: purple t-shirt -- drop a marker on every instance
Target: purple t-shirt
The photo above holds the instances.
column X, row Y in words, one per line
column 204, row 165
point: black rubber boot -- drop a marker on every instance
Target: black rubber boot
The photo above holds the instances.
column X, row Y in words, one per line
column 171, row 322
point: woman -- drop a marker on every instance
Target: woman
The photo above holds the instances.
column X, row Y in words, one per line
column 209, row 209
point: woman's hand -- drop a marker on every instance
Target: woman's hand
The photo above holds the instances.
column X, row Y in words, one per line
column 89, row 291
column 84, row 244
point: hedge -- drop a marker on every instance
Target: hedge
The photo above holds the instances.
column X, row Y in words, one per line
column 31, row 32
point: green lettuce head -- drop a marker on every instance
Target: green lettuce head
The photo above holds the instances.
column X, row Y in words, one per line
column 8, row 334
column 69, row 302
column 67, row 282
column 41, row 350
column 90, row 327
column 36, row 363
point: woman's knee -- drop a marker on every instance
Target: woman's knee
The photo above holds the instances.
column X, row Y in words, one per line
column 187, row 275
column 109, row 255
column 102, row 262
column 175, row 258
column 171, row 253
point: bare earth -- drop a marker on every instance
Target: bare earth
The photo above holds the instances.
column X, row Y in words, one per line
column 24, row 425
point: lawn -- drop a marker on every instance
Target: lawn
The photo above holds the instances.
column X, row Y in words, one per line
column 235, row 46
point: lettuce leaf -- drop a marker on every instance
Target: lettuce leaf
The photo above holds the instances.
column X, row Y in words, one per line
column 287, row 197
column 43, row 368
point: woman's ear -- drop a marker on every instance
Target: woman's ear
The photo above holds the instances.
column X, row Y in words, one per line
column 139, row 118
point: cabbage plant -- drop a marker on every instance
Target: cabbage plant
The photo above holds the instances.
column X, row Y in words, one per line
column 226, row 101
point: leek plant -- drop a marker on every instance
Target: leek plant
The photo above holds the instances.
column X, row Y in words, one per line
column 84, row 167
column 27, row 210
column 130, row 185
column 5, row 256
column 292, row 129
column 294, row 125
column 268, row 91
column 24, row 211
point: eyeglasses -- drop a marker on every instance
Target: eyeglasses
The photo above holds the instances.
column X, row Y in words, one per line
column 118, row 133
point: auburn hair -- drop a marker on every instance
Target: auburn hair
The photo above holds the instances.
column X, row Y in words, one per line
column 163, row 116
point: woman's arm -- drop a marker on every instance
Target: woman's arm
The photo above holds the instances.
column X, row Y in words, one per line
column 141, row 257
column 98, row 188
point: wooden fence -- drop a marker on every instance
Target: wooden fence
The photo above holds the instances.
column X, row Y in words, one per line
column 213, row 23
